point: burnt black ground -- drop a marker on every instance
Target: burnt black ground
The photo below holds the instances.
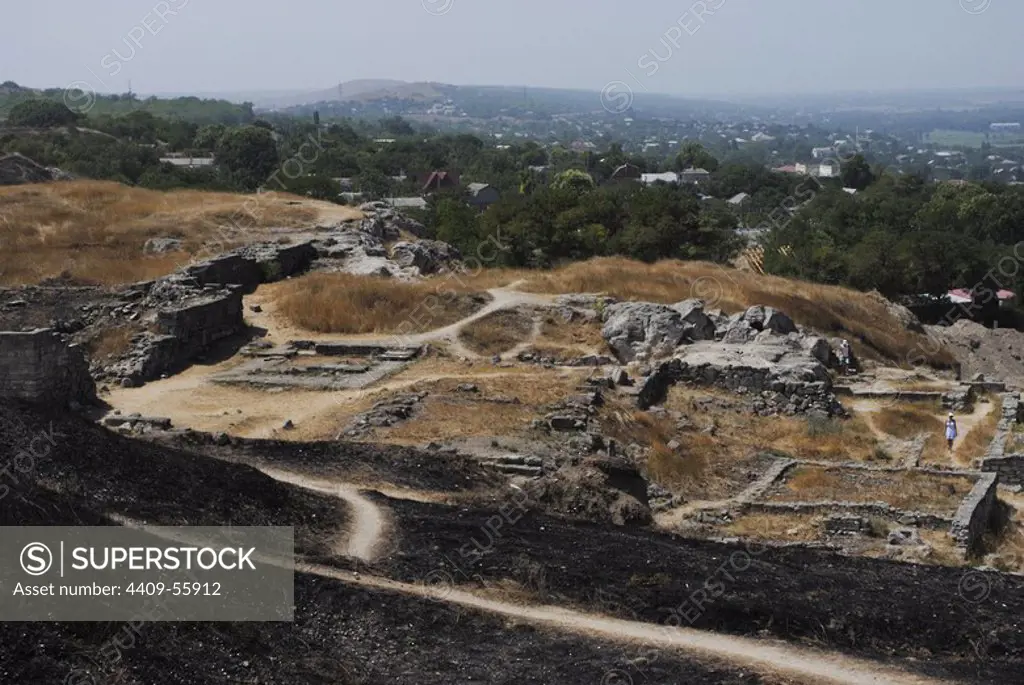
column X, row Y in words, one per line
column 341, row 636
column 355, row 462
column 100, row 471
column 954, row 621
column 870, row 608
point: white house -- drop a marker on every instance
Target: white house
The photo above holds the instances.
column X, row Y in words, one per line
column 664, row 177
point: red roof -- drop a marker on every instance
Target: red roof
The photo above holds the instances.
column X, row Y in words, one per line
column 966, row 294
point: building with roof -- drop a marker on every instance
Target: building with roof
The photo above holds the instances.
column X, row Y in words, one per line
column 482, row 195
column 670, row 177
column 692, row 175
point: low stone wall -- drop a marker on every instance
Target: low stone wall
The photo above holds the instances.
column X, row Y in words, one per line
column 253, row 265
column 1011, row 414
column 184, row 331
column 770, row 393
column 38, row 366
column 974, row 516
column 202, row 321
column 229, row 269
column 880, row 509
column 1009, row 468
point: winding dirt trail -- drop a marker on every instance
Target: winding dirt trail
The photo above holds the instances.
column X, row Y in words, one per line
column 366, row 538
column 365, row 535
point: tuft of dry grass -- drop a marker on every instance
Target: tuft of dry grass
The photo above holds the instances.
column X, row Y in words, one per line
column 94, row 231
column 907, row 421
column 904, row 490
column 111, row 343
column 348, row 304
column 497, row 332
column 682, row 466
column 561, row 339
column 864, row 318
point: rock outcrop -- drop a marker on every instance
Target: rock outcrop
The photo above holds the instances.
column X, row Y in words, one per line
column 779, row 376
column 427, row 256
column 642, row 330
column 16, row 169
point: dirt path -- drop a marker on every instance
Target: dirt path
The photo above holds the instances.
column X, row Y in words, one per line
column 769, row 657
column 365, row 536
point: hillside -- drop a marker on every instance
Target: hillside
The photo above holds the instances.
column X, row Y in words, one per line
column 97, row 231
column 189, row 108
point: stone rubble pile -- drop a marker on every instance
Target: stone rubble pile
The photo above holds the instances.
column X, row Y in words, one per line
column 759, row 352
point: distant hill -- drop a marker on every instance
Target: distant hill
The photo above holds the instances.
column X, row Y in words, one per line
column 486, row 101
column 363, row 90
column 192, row 109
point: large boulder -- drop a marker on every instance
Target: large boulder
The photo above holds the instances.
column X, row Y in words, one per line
column 763, row 318
column 699, row 326
column 779, row 376
column 16, row 169
column 642, row 329
column 429, row 256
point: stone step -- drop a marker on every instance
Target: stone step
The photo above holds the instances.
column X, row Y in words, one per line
column 515, row 469
column 400, row 354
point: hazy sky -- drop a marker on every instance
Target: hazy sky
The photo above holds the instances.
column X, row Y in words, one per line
column 697, row 48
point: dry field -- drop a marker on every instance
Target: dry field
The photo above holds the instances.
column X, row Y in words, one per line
column 863, row 318
column 94, row 231
column 447, row 414
column 347, row 304
column 561, row 339
column 910, row 490
column 498, row 332
column 738, row 431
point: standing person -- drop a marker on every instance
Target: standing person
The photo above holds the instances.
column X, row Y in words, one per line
column 845, row 356
column 951, row 432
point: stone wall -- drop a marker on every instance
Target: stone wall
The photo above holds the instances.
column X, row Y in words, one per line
column 38, row 366
column 1011, row 414
column 255, row 264
column 974, row 517
column 1009, row 468
column 198, row 323
column 773, row 389
column 184, row 331
column 229, row 269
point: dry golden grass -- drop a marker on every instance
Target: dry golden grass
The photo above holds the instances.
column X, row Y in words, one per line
column 975, row 443
column 739, row 432
column 348, row 304
column 1007, row 545
column 1015, row 442
column 561, row 339
column 789, row 527
column 905, row 490
column 447, row 414
column 498, row 332
column 95, row 231
column 111, row 342
column 861, row 317
column 909, row 420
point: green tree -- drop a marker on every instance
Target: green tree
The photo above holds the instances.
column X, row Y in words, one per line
column 694, row 155
column 575, row 180
column 856, row 173
column 40, row 113
column 249, row 155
